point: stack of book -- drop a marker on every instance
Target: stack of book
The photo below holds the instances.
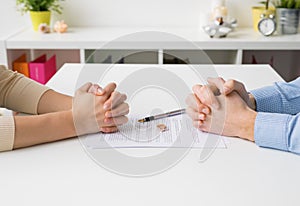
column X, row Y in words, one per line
column 40, row 70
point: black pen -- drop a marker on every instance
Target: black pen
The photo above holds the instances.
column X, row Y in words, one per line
column 164, row 115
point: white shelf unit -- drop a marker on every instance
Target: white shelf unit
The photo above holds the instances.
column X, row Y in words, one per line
column 121, row 56
column 156, row 46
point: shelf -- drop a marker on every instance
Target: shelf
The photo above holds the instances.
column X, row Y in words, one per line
column 156, row 46
column 149, row 38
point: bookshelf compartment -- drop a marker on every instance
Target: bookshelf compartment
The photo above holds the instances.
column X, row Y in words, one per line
column 201, row 57
column 285, row 62
column 121, row 56
column 62, row 55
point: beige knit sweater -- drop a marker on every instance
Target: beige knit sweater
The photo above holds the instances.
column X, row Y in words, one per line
column 17, row 93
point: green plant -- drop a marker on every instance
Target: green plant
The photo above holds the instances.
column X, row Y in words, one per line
column 266, row 4
column 39, row 5
column 289, row 4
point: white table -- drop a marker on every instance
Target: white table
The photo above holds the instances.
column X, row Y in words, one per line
column 62, row 173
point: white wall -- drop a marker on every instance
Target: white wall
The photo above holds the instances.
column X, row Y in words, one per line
column 10, row 19
column 190, row 13
column 149, row 12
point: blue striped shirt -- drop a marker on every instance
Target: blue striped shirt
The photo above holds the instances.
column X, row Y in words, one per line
column 277, row 124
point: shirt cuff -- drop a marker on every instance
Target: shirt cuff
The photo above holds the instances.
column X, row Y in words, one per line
column 7, row 133
column 267, row 99
column 270, row 130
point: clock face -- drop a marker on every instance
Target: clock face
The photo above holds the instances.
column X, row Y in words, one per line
column 267, row 26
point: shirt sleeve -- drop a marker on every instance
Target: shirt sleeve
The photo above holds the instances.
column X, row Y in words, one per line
column 17, row 93
column 278, row 131
column 7, row 133
column 282, row 97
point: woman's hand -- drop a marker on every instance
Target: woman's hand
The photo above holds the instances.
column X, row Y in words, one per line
column 96, row 109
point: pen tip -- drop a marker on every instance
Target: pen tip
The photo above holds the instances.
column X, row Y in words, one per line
column 141, row 120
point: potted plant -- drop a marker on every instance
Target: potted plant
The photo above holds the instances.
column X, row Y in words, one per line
column 287, row 16
column 259, row 11
column 40, row 10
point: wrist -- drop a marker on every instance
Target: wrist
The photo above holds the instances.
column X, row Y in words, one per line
column 247, row 125
column 67, row 117
column 252, row 102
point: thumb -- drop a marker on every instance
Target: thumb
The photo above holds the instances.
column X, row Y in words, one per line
column 217, row 82
column 206, row 96
column 96, row 90
column 109, row 89
column 233, row 85
column 85, row 88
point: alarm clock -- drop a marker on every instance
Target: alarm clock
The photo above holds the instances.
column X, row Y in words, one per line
column 267, row 25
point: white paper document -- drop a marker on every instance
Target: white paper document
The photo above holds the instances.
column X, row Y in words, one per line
column 179, row 134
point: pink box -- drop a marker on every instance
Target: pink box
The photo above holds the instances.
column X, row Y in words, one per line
column 42, row 70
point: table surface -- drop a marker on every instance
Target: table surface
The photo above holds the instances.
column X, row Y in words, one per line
column 62, row 173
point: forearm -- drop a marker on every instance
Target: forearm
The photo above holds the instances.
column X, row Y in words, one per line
column 246, row 125
column 280, row 98
column 278, row 131
column 52, row 101
column 33, row 130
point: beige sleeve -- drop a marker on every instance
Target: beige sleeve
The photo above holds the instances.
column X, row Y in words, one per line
column 7, row 133
column 17, row 93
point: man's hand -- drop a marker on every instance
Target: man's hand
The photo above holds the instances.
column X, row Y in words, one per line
column 229, row 86
column 227, row 115
column 96, row 109
column 208, row 95
column 233, row 118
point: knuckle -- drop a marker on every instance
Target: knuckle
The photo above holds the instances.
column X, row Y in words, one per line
column 116, row 93
column 126, row 105
column 231, row 82
column 124, row 97
column 195, row 87
column 219, row 79
column 127, row 112
column 113, row 84
column 205, row 101
column 202, row 128
column 201, row 107
column 89, row 84
column 205, row 90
